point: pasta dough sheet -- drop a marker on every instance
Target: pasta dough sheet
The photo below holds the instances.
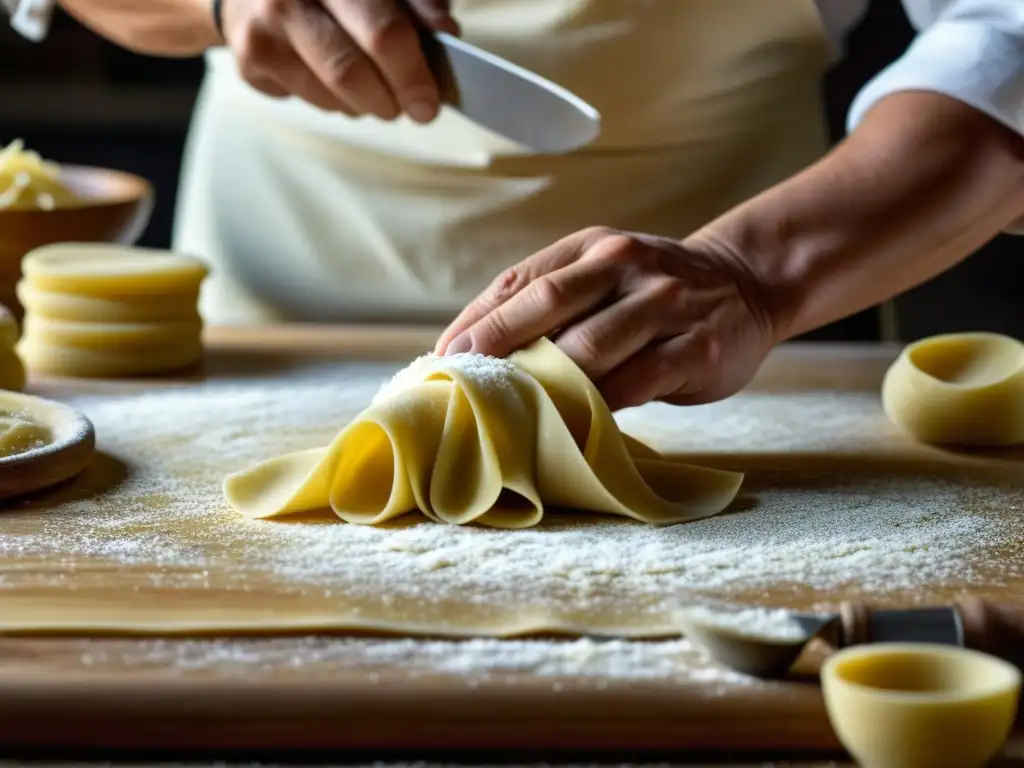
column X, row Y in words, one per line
column 835, row 503
column 471, row 439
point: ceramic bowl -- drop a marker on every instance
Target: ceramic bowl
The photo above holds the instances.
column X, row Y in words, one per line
column 920, row 706
column 115, row 207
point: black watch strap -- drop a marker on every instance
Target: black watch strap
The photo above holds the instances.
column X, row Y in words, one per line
column 217, row 9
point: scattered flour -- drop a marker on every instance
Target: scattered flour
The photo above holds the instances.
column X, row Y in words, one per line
column 484, row 370
column 766, row 623
column 478, row 659
column 804, row 525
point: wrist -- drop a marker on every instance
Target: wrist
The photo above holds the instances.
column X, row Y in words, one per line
column 154, row 27
column 920, row 185
column 764, row 250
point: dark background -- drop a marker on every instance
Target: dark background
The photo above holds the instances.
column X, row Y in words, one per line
column 78, row 99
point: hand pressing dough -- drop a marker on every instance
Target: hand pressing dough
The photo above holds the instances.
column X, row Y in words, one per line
column 471, row 439
column 110, row 271
column 110, row 311
column 959, row 389
column 143, row 308
column 12, row 370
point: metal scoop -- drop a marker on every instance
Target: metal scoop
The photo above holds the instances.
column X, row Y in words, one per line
column 766, row 642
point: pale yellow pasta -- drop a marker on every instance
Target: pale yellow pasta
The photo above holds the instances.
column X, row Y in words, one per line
column 28, row 182
column 466, row 439
column 959, row 389
column 103, row 310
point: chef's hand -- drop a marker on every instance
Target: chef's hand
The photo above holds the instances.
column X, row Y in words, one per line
column 352, row 56
column 645, row 317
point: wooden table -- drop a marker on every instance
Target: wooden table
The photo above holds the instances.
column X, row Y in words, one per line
column 51, row 697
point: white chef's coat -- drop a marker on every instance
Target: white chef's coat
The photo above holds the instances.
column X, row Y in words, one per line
column 971, row 50
column 306, row 215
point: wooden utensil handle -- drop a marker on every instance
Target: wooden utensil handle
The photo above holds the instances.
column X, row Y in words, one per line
column 994, row 628
column 990, row 627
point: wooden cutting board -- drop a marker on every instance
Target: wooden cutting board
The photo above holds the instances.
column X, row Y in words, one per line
column 808, row 432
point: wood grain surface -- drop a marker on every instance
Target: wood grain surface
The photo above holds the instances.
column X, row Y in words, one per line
column 270, row 694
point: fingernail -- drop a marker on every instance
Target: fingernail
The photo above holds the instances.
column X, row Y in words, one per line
column 422, row 111
column 460, row 344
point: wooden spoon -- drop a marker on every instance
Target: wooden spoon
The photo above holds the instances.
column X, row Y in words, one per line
column 69, row 445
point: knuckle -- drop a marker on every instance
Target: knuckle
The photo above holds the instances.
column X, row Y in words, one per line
column 346, row 68
column 713, row 353
column 506, row 285
column 705, row 349
column 668, row 292
column 586, row 348
column 389, row 36
column 493, row 329
column 595, row 232
column 615, row 248
column 546, row 295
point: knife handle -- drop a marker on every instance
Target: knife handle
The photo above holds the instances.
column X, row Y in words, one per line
column 440, row 68
column 994, row 628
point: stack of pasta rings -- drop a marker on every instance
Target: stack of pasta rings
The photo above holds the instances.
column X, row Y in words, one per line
column 98, row 310
column 12, row 371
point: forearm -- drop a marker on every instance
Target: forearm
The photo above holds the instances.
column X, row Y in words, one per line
column 160, row 27
column 916, row 188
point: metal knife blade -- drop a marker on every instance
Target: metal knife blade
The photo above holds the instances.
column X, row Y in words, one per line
column 508, row 99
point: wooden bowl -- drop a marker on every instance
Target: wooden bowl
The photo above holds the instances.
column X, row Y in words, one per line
column 71, row 447
column 115, row 207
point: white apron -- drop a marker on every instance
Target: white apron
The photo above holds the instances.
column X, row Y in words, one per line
column 315, row 217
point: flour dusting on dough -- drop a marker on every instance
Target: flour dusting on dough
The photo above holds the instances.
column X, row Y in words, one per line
column 485, row 371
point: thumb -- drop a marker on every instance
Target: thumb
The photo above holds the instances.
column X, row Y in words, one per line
column 436, row 14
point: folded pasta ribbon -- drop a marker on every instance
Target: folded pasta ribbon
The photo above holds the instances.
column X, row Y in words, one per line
column 470, row 439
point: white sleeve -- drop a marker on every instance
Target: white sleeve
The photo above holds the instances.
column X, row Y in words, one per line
column 30, row 18
column 971, row 50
